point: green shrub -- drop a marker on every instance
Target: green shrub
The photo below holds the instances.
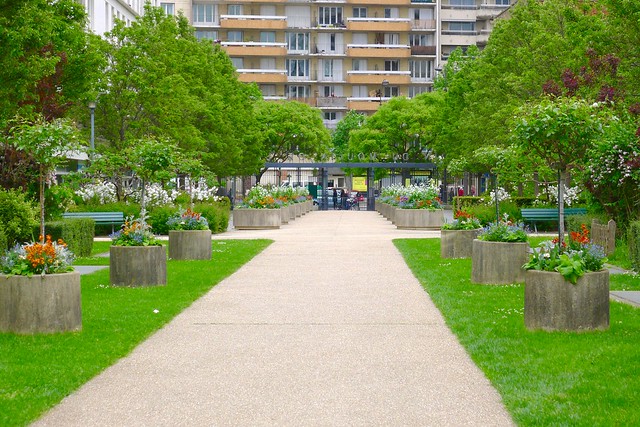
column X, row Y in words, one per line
column 217, row 213
column 77, row 233
column 575, row 221
column 158, row 218
column 17, row 216
column 465, row 202
column 487, row 213
column 633, row 241
column 58, row 199
column 522, row 202
column 3, row 241
column 129, row 210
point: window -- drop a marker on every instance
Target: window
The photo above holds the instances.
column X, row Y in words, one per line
column 330, row 115
column 297, row 91
column 392, row 38
column 234, row 9
column 503, row 2
column 390, row 91
column 238, row 63
column 392, row 65
column 327, row 69
column 298, row 41
column 420, row 40
column 359, row 91
column 359, row 65
column 462, row 26
column 268, row 90
column 234, row 36
column 329, row 16
column 168, row 8
column 206, row 35
column 332, row 42
column 328, row 91
column 359, row 12
column 297, row 67
column 391, row 12
column 417, row 90
column 267, row 63
column 463, row 2
column 268, row 36
column 421, row 69
column 204, row 13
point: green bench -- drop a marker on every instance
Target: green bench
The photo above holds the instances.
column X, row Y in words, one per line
column 534, row 215
column 101, row 218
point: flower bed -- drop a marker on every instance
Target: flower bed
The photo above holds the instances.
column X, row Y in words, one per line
column 189, row 236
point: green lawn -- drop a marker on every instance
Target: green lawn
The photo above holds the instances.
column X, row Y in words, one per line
column 560, row 379
column 36, row 372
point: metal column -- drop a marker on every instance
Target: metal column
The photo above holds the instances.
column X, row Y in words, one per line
column 325, row 193
column 371, row 198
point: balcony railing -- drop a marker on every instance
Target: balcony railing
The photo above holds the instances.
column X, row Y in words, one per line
column 423, row 24
column 423, row 50
column 332, row 102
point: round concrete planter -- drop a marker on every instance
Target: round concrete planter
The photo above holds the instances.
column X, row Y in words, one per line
column 457, row 243
column 418, row 219
column 138, row 265
column 498, row 263
column 40, row 304
column 256, row 219
column 552, row 303
column 190, row 244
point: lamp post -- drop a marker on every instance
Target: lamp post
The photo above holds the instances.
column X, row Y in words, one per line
column 92, row 109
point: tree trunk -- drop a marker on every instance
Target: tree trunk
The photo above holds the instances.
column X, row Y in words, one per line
column 561, row 179
column 143, row 206
column 42, row 171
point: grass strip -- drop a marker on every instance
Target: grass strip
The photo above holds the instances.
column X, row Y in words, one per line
column 559, row 378
column 36, row 372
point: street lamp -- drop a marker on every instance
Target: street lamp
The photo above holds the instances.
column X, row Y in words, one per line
column 92, row 109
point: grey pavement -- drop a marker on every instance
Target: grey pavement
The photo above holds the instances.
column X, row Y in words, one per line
column 326, row 327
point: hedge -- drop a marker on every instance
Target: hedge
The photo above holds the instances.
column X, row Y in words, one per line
column 3, row 241
column 633, row 240
column 77, row 233
column 18, row 218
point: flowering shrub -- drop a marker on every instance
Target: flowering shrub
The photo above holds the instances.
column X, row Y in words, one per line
column 412, row 197
column 573, row 261
column 187, row 220
column 571, row 196
column 98, row 192
column 200, row 190
column 500, row 193
column 504, row 231
column 134, row 232
column 462, row 221
column 37, row 258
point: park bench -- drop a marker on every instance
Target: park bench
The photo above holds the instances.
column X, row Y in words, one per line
column 101, row 218
column 534, row 215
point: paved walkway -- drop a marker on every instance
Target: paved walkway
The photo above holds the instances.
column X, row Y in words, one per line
column 326, row 327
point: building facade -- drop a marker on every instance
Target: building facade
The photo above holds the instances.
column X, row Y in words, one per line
column 337, row 55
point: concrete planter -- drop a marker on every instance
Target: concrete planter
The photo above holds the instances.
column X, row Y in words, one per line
column 190, row 244
column 552, row 303
column 498, row 262
column 457, row 243
column 40, row 304
column 257, row 219
column 284, row 214
column 298, row 209
column 418, row 219
column 138, row 265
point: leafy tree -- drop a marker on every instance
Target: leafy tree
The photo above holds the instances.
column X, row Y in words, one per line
column 340, row 137
column 46, row 142
column 560, row 131
column 152, row 160
column 290, row 128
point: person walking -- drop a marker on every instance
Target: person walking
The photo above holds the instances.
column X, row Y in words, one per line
column 344, row 196
column 335, row 199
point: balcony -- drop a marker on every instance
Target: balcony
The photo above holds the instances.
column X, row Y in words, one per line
column 381, row 2
column 423, row 50
column 254, row 48
column 259, row 22
column 458, row 38
column 424, row 24
column 491, row 10
column 375, row 77
column 378, row 51
column 248, row 75
column 365, row 104
column 332, row 102
column 456, row 14
column 379, row 24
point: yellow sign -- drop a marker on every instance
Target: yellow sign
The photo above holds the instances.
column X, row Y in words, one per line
column 359, row 183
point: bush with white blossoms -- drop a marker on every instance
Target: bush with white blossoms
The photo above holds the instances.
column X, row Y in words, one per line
column 98, row 192
column 502, row 194
column 200, row 190
column 571, row 194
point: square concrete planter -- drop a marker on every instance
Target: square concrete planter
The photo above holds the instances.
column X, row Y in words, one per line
column 138, row 265
column 47, row 303
column 418, row 219
column 552, row 303
column 190, row 244
column 284, row 214
column 457, row 243
column 498, row 263
column 256, row 219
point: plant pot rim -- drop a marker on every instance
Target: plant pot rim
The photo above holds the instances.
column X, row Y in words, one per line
column 74, row 271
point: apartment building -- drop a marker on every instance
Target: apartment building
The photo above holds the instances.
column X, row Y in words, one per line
column 337, row 55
